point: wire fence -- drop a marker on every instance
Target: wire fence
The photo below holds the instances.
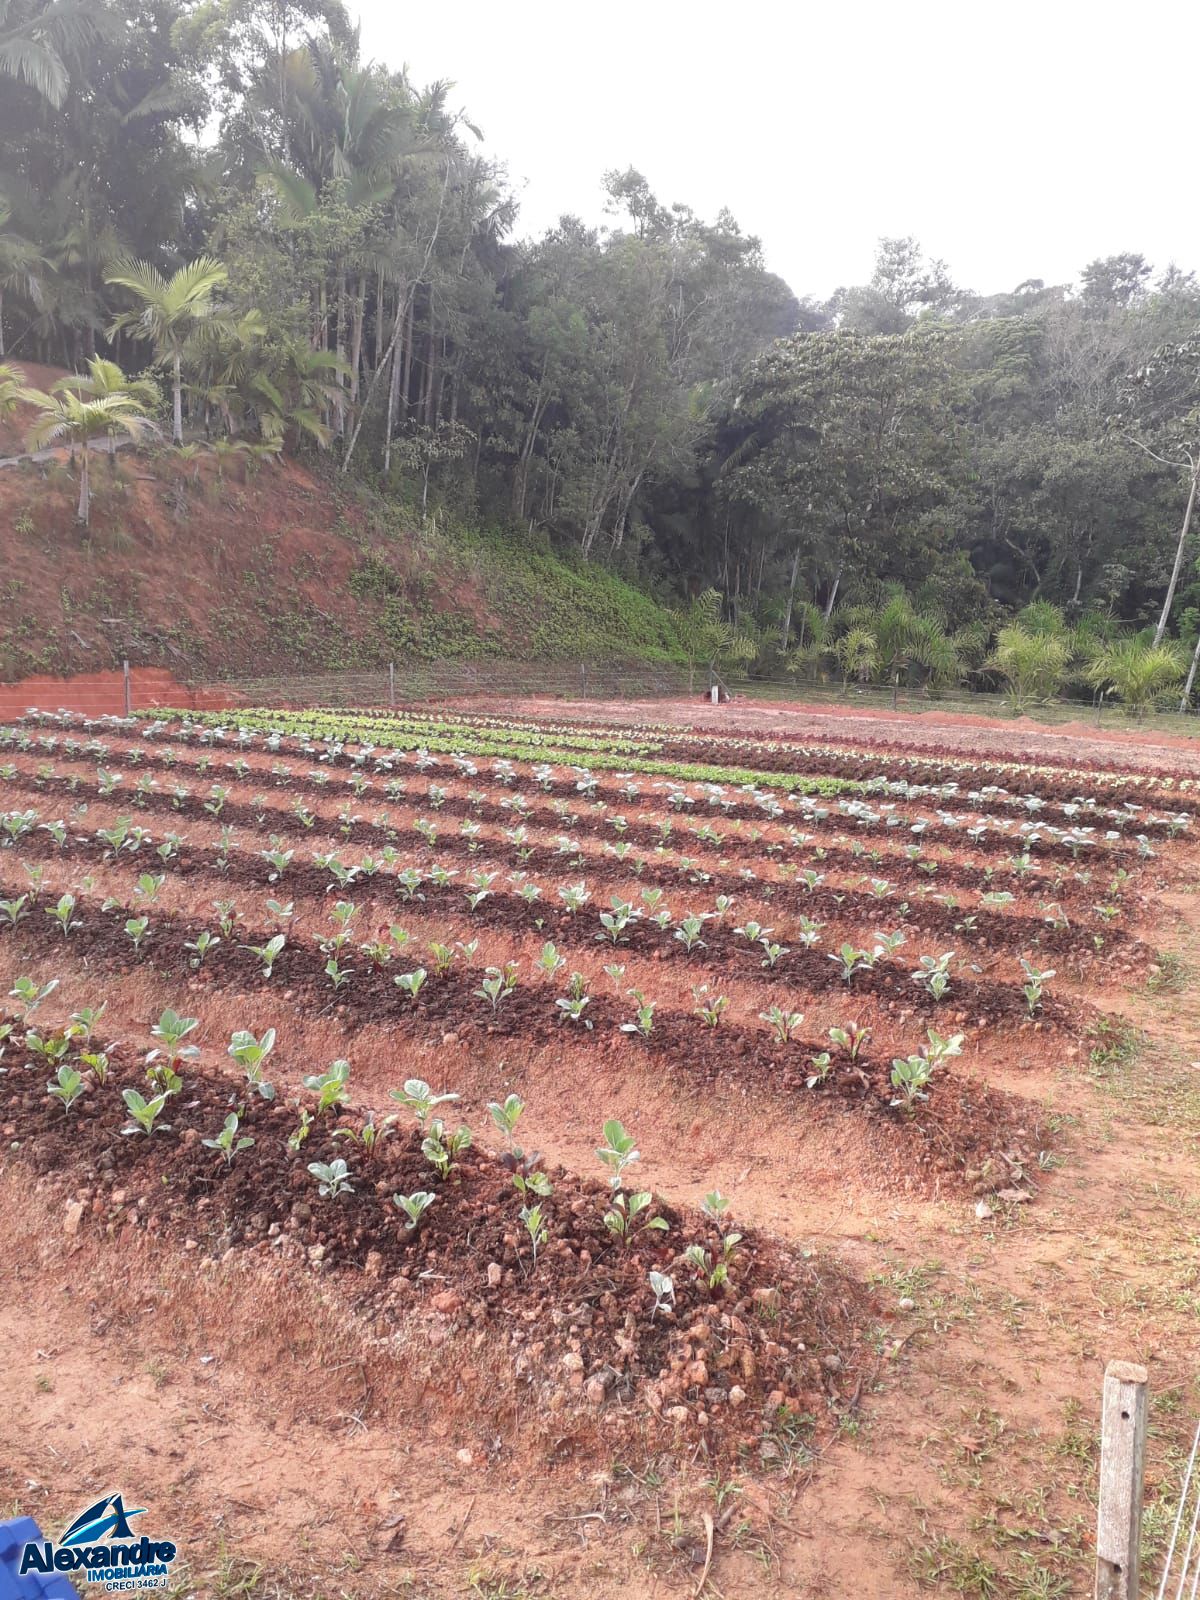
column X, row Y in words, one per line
column 408, row 683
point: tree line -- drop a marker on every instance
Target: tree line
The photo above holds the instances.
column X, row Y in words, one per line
column 312, row 252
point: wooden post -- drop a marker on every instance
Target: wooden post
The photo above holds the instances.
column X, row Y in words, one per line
column 392, row 684
column 1122, row 1465
column 128, row 687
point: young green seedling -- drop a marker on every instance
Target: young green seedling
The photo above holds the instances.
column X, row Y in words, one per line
column 331, row 1087
column 414, row 1207
column 419, row 1098
column 145, row 1113
column 250, row 1053
column 67, row 1086
column 227, row 1141
column 333, row 1178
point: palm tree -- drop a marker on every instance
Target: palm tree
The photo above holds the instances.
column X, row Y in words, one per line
column 13, row 389
column 21, row 267
column 1032, row 664
column 704, row 635
column 36, row 38
column 172, row 312
column 904, row 638
column 1137, row 672
column 71, row 415
column 857, row 652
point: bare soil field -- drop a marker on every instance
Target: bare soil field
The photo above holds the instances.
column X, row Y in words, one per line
column 820, row 1117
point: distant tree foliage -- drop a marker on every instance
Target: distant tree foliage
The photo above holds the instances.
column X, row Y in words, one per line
column 313, row 252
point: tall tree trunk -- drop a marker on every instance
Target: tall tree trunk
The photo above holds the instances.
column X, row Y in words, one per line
column 356, row 335
column 1186, row 699
column 787, row 614
column 393, row 386
column 84, row 509
column 177, row 421
column 406, row 371
column 1, row 324
column 1183, row 533
column 833, row 593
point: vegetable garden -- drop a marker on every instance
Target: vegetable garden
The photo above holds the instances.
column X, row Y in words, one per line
column 320, row 986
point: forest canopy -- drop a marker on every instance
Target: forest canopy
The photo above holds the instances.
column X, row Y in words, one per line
column 310, row 250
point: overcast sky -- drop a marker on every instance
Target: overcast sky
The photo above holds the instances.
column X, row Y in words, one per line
column 1015, row 141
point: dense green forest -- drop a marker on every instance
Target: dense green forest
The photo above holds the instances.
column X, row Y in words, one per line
column 238, row 230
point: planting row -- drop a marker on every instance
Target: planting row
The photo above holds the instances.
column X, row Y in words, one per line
column 700, row 936
column 522, row 902
column 600, row 1294
column 847, row 758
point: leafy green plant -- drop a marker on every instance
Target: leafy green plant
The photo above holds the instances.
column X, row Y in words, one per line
column 441, row 1148
column 145, row 1113
column 782, row 1023
column 268, row 954
column 250, row 1052
column 330, row 1087
column 417, row 1097
column 414, row 1207
column 333, row 1178
column 228, row 1141
column 618, row 1152
column 910, row 1079
column 643, row 1022
column 63, row 913
column 136, row 928
column 1034, row 985
column 67, row 1086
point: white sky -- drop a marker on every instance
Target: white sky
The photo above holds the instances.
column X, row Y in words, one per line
column 1015, row 141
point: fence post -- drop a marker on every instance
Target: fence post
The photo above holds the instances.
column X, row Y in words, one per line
column 1122, row 1464
column 392, row 684
column 128, row 688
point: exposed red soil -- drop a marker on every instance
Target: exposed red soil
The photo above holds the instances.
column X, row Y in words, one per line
column 788, row 1334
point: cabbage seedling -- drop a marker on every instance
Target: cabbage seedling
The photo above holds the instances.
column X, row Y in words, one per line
column 550, row 961
column 753, row 932
column 250, row 1053
column 1034, row 984
column 200, row 946
column 910, row 1078
column 853, row 961
column 227, row 1141
column 368, row 1136
column 710, row 1008
column 852, row 1038
column 63, row 914
column 84, row 1021
column 782, row 1023
column 414, row 1207
column 67, row 1086
column 663, row 1287
column 410, row 983
column 821, row 1065
column 331, row 1088
column 149, row 883
column 267, row 953
column 300, row 1132
column 333, row 1178
column 689, row 930
column 934, row 973
column 30, row 995
column 145, row 1113
column 644, row 1021
column 772, row 952
column 172, row 1029
column 440, row 1148
column 535, row 1227
column 14, row 910
column 137, row 928
column 419, row 1098
column 498, row 984
column 53, row 1048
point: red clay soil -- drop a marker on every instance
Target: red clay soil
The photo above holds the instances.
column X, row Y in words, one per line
column 786, row 1332
column 102, row 694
